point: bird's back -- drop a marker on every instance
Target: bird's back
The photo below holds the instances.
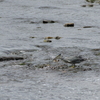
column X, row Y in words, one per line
column 76, row 59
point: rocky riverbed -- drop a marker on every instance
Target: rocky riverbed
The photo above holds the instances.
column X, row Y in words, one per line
column 33, row 33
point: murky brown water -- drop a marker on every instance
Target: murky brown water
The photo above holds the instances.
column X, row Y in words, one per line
column 37, row 77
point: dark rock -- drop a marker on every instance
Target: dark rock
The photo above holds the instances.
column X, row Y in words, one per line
column 49, row 37
column 32, row 37
column 11, row 58
column 83, row 5
column 90, row 5
column 48, row 7
column 48, row 21
column 69, row 25
column 52, row 21
column 57, row 37
column 45, row 21
column 88, row 69
column 47, row 41
column 87, row 26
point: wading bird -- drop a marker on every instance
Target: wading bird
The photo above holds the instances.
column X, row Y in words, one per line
column 73, row 61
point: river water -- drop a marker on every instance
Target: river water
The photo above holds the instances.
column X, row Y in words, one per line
column 22, row 32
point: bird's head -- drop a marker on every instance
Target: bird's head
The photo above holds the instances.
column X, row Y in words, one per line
column 57, row 57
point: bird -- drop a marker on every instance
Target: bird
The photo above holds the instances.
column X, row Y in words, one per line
column 73, row 61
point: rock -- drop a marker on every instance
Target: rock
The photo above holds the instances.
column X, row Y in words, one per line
column 48, row 21
column 49, row 37
column 69, row 25
column 38, row 27
column 11, row 58
column 96, row 49
column 45, row 21
column 88, row 69
column 90, row 5
column 83, row 5
column 87, row 26
column 47, row 41
column 32, row 37
column 57, row 37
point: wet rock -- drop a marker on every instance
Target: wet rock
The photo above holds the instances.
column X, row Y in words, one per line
column 90, row 5
column 32, row 37
column 57, row 37
column 48, row 7
column 49, row 37
column 87, row 64
column 92, row 1
column 47, row 41
column 48, row 21
column 69, row 25
column 38, row 27
column 41, row 65
column 96, row 49
column 11, row 58
column 87, row 26
column 96, row 52
column 88, row 69
column 83, row 5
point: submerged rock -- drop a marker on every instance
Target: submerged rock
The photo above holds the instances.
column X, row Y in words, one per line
column 32, row 22
column 89, row 5
column 11, row 58
column 87, row 26
column 32, row 37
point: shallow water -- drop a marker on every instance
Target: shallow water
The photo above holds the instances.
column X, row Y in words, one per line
column 23, row 19
column 16, row 30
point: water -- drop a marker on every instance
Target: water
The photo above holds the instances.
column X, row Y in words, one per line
column 15, row 18
column 18, row 82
